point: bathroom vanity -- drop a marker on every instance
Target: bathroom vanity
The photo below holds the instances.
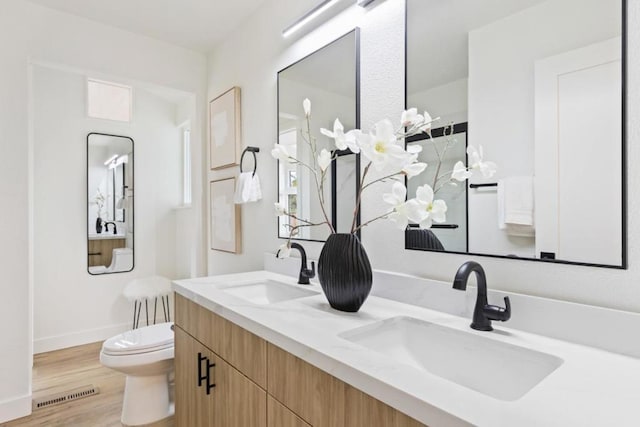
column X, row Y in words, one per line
column 101, row 248
column 256, row 349
column 227, row 376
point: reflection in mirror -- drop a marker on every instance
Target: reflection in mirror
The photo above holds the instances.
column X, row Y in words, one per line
column 538, row 84
column 109, row 203
column 446, row 146
column 328, row 78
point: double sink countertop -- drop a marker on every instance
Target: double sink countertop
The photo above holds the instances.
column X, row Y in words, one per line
column 428, row 364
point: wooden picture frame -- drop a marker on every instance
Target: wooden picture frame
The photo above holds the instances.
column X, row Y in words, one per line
column 225, row 233
column 225, row 130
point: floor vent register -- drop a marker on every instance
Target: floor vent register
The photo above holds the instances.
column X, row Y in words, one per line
column 64, row 397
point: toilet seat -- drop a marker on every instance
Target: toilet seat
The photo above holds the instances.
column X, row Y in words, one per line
column 142, row 340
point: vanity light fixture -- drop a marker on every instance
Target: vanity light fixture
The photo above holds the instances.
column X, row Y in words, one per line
column 110, row 159
column 122, row 159
column 116, row 160
column 308, row 17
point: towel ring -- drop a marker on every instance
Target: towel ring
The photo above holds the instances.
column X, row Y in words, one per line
column 253, row 151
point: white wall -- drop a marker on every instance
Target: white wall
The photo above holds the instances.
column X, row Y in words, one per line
column 382, row 66
column 447, row 101
column 67, row 309
column 255, row 71
column 30, row 32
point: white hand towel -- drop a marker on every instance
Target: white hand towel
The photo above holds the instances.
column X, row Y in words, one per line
column 515, row 206
column 248, row 188
column 255, row 191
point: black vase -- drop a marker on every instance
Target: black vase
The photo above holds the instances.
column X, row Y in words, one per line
column 99, row 225
column 344, row 272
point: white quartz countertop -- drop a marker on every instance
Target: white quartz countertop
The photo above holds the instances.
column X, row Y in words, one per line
column 106, row 236
column 591, row 388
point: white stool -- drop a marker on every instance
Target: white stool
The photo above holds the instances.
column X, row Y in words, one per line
column 144, row 289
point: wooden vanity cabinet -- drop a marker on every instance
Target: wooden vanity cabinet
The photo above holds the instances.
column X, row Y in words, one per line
column 280, row 416
column 258, row 384
column 311, row 393
column 210, row 392
column 194, row 407
column 242, row 349
column 101, row 251
column 323, row 400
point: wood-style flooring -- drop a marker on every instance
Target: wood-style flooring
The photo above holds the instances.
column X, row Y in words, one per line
column 66, row 369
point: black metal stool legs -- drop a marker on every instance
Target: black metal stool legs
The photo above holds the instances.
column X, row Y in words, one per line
column 137, row 318
column 137, row 310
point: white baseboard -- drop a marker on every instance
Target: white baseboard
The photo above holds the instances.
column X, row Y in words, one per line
column 42, row 345
column 15, row 408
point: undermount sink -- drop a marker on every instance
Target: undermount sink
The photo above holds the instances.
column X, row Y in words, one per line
column 497, row 369
column 268, row 292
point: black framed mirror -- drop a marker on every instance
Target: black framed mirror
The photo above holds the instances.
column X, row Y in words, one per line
column 110, row 204
column 329, row 78
column 540, row 86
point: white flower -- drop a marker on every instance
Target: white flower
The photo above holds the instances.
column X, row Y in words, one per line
column 414, row 169
column 324, row 159
column 396, row 198
column 424, row 210
column 460, row 172
column 280, row 152
column 306, row 104
column 488, row 169
column 382, row 147
column 426, row 126
column 411, row 117
column 279, row 209
column 342, row 140
column 284, row 251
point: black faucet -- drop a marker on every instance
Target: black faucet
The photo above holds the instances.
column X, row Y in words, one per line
column 106, row 227
column 305, row 273
column 483, row 313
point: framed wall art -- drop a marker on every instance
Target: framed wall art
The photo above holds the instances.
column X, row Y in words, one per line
column 225, row 128
column 224, row 225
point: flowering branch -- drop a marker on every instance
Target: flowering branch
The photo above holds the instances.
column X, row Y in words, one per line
column 385, row 151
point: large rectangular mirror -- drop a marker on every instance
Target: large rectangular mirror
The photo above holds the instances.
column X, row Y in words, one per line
column 329, row 79
column 539, row 85
column 109, row 204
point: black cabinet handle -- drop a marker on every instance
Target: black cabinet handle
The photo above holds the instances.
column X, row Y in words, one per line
column 201, row 378
column 207, row 375
column 210, row 385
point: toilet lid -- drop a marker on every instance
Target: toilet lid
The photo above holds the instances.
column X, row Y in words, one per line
column 148, row 338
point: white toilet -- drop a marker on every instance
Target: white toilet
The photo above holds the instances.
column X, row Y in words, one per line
column 121, row 260
column 145, row 355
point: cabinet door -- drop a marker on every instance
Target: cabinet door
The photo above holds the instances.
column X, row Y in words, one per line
column 194, row 408
column 280, row 416
column 317, row 397
column 239, row 347
column 363, row 410
column 238, row 401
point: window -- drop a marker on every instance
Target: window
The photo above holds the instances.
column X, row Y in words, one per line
column 107, row 100
column 186, row 167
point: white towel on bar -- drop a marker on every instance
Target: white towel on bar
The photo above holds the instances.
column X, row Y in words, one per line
column 515, row 206
column 248, row 188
